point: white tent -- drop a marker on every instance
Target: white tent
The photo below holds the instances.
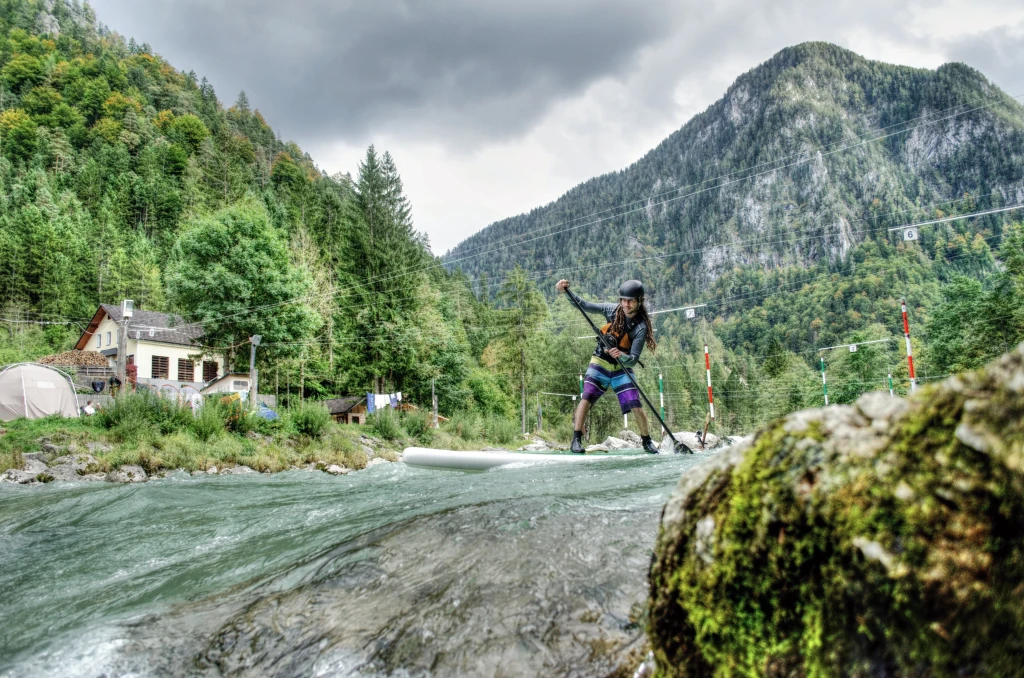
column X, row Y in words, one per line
column 34, row 391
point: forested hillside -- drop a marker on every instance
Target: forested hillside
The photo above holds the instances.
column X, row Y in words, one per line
column 122, row 177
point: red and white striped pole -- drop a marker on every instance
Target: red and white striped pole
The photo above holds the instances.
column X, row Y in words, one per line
column 707, row 366
column 906, row 335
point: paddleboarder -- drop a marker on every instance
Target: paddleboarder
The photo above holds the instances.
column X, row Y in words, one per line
column 630, row 324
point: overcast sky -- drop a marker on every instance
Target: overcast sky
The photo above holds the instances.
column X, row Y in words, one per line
column 493, row 108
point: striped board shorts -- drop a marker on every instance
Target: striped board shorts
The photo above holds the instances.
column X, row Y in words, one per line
column 601, row 374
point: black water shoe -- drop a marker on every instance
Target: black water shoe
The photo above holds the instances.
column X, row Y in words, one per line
column 648, row 445
column 577, row 444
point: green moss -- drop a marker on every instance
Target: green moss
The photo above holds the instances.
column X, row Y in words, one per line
column 824, row 554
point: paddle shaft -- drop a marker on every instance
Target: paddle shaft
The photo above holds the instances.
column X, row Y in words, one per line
column 628, row 374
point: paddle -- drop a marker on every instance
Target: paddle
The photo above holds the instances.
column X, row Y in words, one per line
column 610, row 342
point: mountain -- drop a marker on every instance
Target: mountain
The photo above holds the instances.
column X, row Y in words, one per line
column 806, row 156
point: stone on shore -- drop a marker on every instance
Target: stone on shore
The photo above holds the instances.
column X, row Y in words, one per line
column 33, row 466
column 128, row 474
column 630, row 437
column 17, row 476
column 613, row 443
column 880, row 539
column 240, row 470
column 691, row 440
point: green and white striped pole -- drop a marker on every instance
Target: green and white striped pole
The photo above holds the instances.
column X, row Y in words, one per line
column 890, row 386
column 824, row 385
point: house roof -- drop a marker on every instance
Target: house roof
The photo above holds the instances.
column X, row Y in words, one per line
column 342, row 405
column 165, row 328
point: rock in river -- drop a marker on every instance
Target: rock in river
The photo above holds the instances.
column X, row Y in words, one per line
column 879, row 539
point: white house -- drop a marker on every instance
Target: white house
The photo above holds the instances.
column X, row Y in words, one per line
column 163, row 348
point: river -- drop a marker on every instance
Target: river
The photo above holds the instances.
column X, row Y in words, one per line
column 391, row 571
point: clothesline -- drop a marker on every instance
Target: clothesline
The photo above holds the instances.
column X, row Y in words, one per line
column 378, row 401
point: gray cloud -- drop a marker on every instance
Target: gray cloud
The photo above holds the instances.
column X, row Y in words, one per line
column 462, row 68
column 996, row 53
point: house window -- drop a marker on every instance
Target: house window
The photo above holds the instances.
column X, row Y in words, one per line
column 239, row 385
column 186, row 370
column 160, row 363
column 99, row 341
column 108, row 338
column 209, row 370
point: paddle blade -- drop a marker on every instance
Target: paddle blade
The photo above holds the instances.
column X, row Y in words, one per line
column 681, row 448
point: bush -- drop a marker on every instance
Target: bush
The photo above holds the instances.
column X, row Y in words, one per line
column 466, row 425
column 238, row 418
column 269, row 427
column 311, row 420
column 209, row 422
column 133, row 415
column 501, row 430
column 385, row 424
column 417, row 424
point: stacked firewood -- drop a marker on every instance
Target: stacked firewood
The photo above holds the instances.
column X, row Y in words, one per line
column 75, row 358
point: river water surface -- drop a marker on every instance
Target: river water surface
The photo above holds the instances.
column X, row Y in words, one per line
column 391, row 571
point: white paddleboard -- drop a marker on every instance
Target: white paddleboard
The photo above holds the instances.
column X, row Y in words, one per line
column 458, row 460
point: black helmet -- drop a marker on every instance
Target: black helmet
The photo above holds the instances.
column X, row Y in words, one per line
column 631, row 289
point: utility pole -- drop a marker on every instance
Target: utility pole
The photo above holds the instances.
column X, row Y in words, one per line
column 254, row 341
column 127, row 309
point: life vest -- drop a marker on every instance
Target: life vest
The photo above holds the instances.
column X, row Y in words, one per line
column 625, row 344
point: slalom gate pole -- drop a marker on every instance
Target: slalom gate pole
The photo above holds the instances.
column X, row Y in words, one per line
column 707, row 366
column 679, row 447
column 910, row 353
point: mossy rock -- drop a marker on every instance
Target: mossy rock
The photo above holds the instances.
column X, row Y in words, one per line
column 881, row 539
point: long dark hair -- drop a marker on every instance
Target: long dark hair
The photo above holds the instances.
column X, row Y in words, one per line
column 620, row 323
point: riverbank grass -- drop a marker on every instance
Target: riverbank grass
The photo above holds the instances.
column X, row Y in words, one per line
column 143, row 429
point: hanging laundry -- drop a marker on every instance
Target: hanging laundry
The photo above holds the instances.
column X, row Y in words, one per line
column 394, row 401
column 371, row 403
column 382, row 400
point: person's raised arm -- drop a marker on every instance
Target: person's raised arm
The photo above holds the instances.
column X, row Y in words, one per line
column 590, row 307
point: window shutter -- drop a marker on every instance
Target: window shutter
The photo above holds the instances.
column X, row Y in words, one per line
column 186, row 370
column 160, row 365
column 209, row 370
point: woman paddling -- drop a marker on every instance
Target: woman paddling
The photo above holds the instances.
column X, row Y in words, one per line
column 629, row 323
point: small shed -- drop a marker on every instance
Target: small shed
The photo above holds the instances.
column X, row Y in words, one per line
column 347, row 410
column 233, row 382
column 35, row 391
